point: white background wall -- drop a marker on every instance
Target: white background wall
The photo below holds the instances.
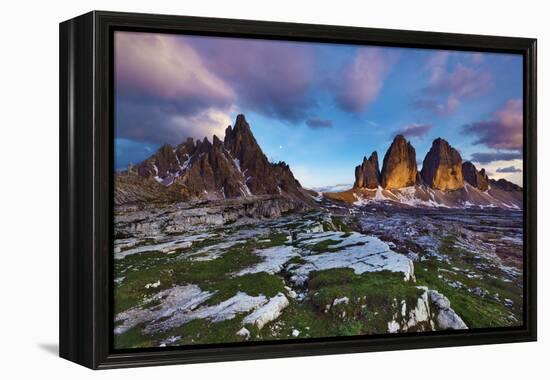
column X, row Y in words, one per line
column 29, row 187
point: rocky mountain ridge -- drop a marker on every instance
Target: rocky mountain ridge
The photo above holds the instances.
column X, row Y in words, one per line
column 237, row 168
column 444, row 181
column 201, row 170
column 442, row 169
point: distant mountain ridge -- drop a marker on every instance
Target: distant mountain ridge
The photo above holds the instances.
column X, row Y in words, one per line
column 237, row 168
column 444, row 181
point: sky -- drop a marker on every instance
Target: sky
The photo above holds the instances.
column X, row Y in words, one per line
column 319, row 107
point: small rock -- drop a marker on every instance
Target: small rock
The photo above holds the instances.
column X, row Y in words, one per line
column 295, row 333
column 153, row 285
column 244, row 333
column 338, row 301
column 268, row 312
column 393, row 327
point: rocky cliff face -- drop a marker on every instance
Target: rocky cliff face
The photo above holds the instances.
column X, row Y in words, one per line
column 478, row 179
column 234, row 167
column 399, row 168
column 442, row 167
column 368, row 173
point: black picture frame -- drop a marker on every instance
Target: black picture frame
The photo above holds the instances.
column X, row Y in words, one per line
column 86, row 187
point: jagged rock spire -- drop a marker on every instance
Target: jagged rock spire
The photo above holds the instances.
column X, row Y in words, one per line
column 478, row 179
column 368, row 173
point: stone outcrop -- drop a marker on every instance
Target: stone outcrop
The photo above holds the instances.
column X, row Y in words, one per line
column 444, row 316
column 431, row 312
column 189, row 215
column 368, row 173
column 268, row 312
column 399, row 168
column 442, row 167
column 477, row 179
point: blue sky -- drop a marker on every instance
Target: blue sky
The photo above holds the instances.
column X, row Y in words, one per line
column 319, row 107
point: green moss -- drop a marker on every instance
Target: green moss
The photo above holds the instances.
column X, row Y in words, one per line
column 324, row 246
column 252, row 284
column 476, row 311
column 341, row 225
column 133, row 338
column 201, row 331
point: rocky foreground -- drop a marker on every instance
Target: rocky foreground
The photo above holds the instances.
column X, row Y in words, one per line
column 209, row 272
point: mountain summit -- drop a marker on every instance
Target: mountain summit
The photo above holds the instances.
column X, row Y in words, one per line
column 444, row 181
column 368, row 174
column 399, row 169
column 478, row 179
column 442, row 167
column 232, row 168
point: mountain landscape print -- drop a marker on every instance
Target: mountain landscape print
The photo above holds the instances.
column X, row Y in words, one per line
column 272, row 190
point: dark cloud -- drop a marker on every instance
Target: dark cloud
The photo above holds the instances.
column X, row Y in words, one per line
column 317, row 123
column 503, row 131
column 448, row 87
column 485, row 158
column 158, row 124
column 415, row 130
column 509, row 169
column 273, row 78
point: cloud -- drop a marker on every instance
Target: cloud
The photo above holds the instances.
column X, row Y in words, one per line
column 450, row 84
column 495, row 170
column 509, row 169
column 153, row 123
column 162, row 67
column 362, row 79
column 477, row 58
column 317, row 123
column 485, row 158
column 415, row 130
column 503, row 131
column 165, row 92
column 172, row 87
column 273, row 78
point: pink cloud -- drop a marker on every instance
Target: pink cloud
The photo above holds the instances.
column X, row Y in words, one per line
column 447, row 88
column 362, row 79
column 163, row 66
column 415, row 130
column 504, row 130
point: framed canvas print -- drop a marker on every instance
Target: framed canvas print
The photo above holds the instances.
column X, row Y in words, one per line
column 238, row 189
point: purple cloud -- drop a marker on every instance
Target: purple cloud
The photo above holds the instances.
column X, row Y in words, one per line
column 165, row 92
column 362, row 79
column 274, row 78
column 448, row 87
column 509, row 169
column 415, row 130
column 165, row 68
column 503, row 131
column 317, row 123
column 485, row 158
column 172, row 87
